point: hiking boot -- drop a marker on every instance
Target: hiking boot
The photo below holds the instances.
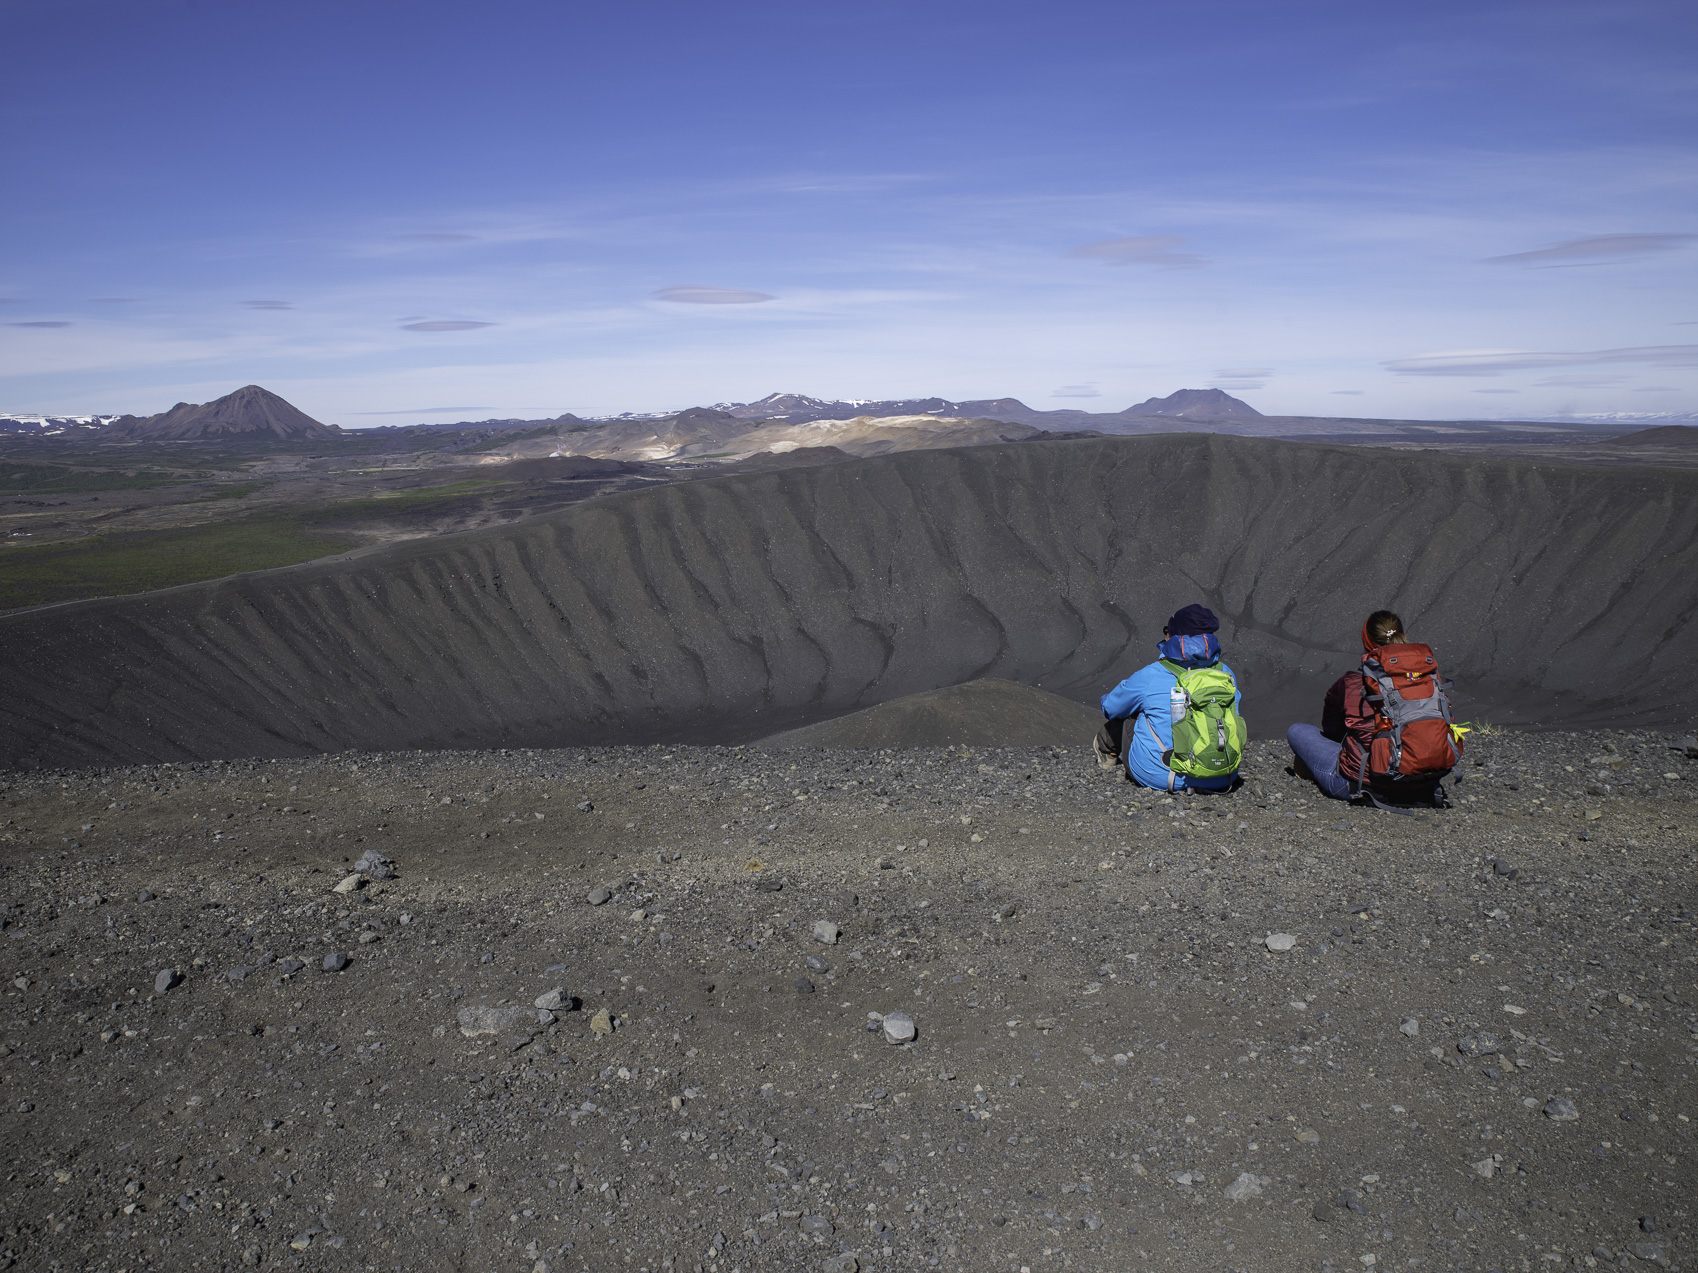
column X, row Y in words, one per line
column 1107, row 761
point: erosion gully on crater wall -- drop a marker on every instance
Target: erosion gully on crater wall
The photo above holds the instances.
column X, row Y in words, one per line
column 729, row 609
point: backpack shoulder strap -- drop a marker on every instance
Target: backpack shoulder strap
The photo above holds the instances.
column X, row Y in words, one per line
column 1173, row 667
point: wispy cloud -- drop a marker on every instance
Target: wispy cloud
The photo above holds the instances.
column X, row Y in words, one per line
column 1244, row 373
column 1141, row 249
column 444, row 325
column 1348, row 393
column 268, row 304
column 1597, row 249
column 693, row 294
column 113, row 300
column 1492, row 362
column 436, row 236
column 1076, row 391
column 41, row 323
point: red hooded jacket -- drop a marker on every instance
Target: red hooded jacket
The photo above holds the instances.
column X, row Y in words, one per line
column 1347, row 718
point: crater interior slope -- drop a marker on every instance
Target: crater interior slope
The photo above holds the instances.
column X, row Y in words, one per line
column 985, row 713
column 730, row 609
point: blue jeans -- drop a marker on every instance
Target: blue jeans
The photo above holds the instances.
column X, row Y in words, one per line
column 1320, row 754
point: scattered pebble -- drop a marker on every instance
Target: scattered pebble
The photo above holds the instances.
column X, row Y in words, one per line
column 1477, row 1043
column 335, row 961
column 165, row 979
column 825, row 931
column 1279, row 942
column 600, row 896
column 1411, row 1027
column 1559, row 1109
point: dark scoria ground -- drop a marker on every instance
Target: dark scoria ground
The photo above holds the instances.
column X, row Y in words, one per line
column 1108, row 1052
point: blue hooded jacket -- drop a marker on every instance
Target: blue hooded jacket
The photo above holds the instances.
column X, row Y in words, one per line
column 1142, row 699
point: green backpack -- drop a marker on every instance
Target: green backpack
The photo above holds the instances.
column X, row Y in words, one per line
column 1209, row 741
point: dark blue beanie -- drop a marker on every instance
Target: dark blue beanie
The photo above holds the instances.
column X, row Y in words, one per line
column 1193, row 620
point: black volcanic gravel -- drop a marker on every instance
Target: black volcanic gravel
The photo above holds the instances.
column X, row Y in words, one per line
column 1112, row 1069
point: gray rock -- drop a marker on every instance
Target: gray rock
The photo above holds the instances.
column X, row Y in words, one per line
column 1559, row 1109
column 817, row 963
column 825, row 931
column 335, row 961
column 146, row 895
column 803, row 986
column 600, row 896
column 375, row 865
column 1247, row 1186
column 489, row 1019
column 1410, row 1027
column 844, row 1263
column 1648, row 1224
column 1650, row 1252
column 165, row 979
column 898, row 1027
column 816, row 1226
column 289, row 967
column 1323, row 1213
column 584, row 806
column 1477, row 1043
column 556, row 1000
column 241, row 972
column 1091, row 1221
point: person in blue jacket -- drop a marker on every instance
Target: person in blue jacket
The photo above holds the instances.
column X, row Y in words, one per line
column 1137, row 729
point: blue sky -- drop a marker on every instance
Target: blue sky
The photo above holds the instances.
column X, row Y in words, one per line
column 394, row 212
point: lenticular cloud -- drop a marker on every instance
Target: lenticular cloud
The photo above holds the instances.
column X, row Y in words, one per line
column 691, row 294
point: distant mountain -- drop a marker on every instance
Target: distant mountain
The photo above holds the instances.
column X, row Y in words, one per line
column 53, row 425
column 1187, row 404
column 1676, row 435
column 1197, row 404
column 798, row 408
column 250, row 412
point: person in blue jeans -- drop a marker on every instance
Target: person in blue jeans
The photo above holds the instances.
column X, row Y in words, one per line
column 1137, row 729
column 1332, row 755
